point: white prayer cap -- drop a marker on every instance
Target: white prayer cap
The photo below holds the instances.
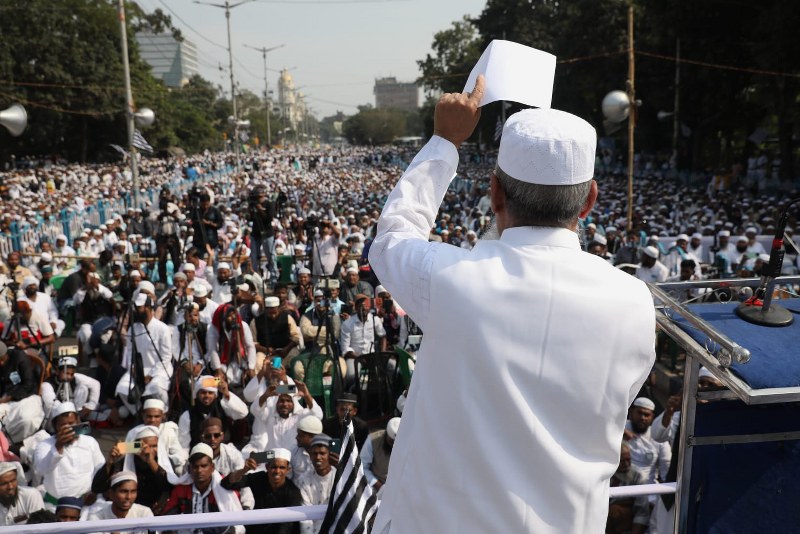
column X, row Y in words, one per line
column 471, row 232
column 600, row 239
column 202, row 448
column 310, row 424
column 103, row 227
column 200, row 290
column 303, row 270
column 157, row 404
column 110, row 221
column 283, row 454
column 650, row 251
column 147, row 432
column 644, row 402
column 319, row 293
column 392, row 426
column 188, row 267
column 135, row 274
column 352, row 270
column 380, row 290
column 724, row 233
column 272, row 302
column 243, row 287
column 705, row 373
column 697, row 235
column 751, row 230
column 299, row 247
column 591, row 225
column 47, row 257
column 94, row 275
column 223, row 265
column 68, row 361
column 206, row 383
column 682, row 237
column 610, row 229
column 62, row 408
column 61, row 237
column 6, row 467
column 140, row 300
column 146, row 285
column 171, row 207
column 30, row 281
column 547, row 147
column 764, row 257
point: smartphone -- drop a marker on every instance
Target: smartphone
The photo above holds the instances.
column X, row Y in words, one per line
column 336, row 446
column 263, row 457
column 83, row 429
column 291, row 389
column 276, row 362
column 131, row 447
column 346, row 309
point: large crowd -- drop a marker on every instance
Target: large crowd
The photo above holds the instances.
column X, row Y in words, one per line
column 229, row 325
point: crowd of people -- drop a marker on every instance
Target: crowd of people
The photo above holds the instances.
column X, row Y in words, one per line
column 197, row 317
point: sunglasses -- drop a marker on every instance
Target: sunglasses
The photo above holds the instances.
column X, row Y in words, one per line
column 215, row 435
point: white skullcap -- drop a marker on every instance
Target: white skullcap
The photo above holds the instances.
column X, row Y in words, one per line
column 651, row 251
column 591, row 225
column 644, row 402
column 243, row 287
column 94, row 275
column 724, row 233
column 207, row 383
column 134, row 274
column 697, row 235
column 141, row 299
column 110, row 221
column 200, row 290
column 147, row 432
column 6, row 467
column 122, row 476
column 157, row 404
column 223, row 265
column 310, row 424
column 764, row 257
column 102, row 227
column 610, row 229
column 30, row 281
column 352, row 270
column 62, row 408
column 751, row 229
column 272, row 302
column 47, row 257
column 682, row 237
column 146, row 285
column 171, row 207
column 202, row 448
column 68, row 361
column 303, row 270
column 282, row 454
column 392, row 426
column 319, row 293
column 705, row 373
column 61, row 237
column 547, row 147
column 601, row 239
column 188, row 267
column 380, row 289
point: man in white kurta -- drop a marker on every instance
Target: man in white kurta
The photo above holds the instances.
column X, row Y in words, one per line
column 17, row 502
column 563, row 349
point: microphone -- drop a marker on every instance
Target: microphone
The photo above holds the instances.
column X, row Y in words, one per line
column 758, row 309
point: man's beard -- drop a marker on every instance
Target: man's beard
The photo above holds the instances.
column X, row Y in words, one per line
column 8, row 502
column 491, row 233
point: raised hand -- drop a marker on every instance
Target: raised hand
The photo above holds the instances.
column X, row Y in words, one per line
column 457, row 114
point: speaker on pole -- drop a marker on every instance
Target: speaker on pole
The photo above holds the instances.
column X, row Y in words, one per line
column 14, row 119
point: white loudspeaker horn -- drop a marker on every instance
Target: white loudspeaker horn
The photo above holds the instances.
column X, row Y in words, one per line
column 664, row 115
column 616, row 106
column 15, row 118
column 144, row 117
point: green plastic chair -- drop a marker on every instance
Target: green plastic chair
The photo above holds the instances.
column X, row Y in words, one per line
column 403, row 359
column 312, row 365
column 284, row 264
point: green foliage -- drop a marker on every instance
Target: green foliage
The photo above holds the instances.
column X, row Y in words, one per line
column 378, row 126
column 455, row 52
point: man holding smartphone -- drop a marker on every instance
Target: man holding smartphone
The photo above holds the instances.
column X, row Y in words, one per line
column 67, row 461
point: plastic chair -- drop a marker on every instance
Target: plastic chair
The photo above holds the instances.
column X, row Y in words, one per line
column 39, row 366
column 311, row 366
column 377, row 383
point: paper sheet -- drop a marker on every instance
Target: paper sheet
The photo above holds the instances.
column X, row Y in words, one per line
column 515, row 72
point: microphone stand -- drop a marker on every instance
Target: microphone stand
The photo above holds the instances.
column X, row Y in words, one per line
column 759, row 309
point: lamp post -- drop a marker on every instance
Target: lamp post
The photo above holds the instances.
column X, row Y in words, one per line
column 227, row 6
column 264, row 51
column 144, row 117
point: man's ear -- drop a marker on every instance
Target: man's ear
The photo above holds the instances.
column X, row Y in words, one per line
column 496, row 195
column 591, row 198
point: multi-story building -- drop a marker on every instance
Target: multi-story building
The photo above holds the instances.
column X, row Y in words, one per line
column 291, row 103
column 171, row 60
column 391, row 94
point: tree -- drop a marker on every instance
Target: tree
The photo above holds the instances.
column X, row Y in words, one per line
column 375, row 126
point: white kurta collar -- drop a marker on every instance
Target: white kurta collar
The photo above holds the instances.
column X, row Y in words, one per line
column 533, row 235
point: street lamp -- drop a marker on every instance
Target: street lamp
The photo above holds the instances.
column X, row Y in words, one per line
column 227, row 6
column 264, row 51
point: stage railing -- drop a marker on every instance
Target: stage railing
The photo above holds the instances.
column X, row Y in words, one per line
column 249, row 517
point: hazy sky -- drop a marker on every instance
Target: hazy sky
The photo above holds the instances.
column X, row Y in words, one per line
column 337, row 47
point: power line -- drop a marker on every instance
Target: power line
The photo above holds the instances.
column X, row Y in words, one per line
column 203, row 37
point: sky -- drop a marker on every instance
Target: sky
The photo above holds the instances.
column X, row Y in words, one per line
column 334, row 48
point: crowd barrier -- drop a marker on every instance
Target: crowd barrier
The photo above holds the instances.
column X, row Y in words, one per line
column 251, row 517
column 24, row 235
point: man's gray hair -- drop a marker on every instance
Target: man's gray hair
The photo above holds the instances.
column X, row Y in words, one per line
column 543, row 205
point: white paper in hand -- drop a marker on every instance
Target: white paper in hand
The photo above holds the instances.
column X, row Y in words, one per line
column 515, row 72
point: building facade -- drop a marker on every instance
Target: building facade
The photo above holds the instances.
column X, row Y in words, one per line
column 171, row 60
column 291, row 103
column 391, row 94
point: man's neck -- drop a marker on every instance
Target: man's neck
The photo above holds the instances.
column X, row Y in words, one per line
column 275, row 487
column 323, row 472
column 202, row 488
column 119, row 513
